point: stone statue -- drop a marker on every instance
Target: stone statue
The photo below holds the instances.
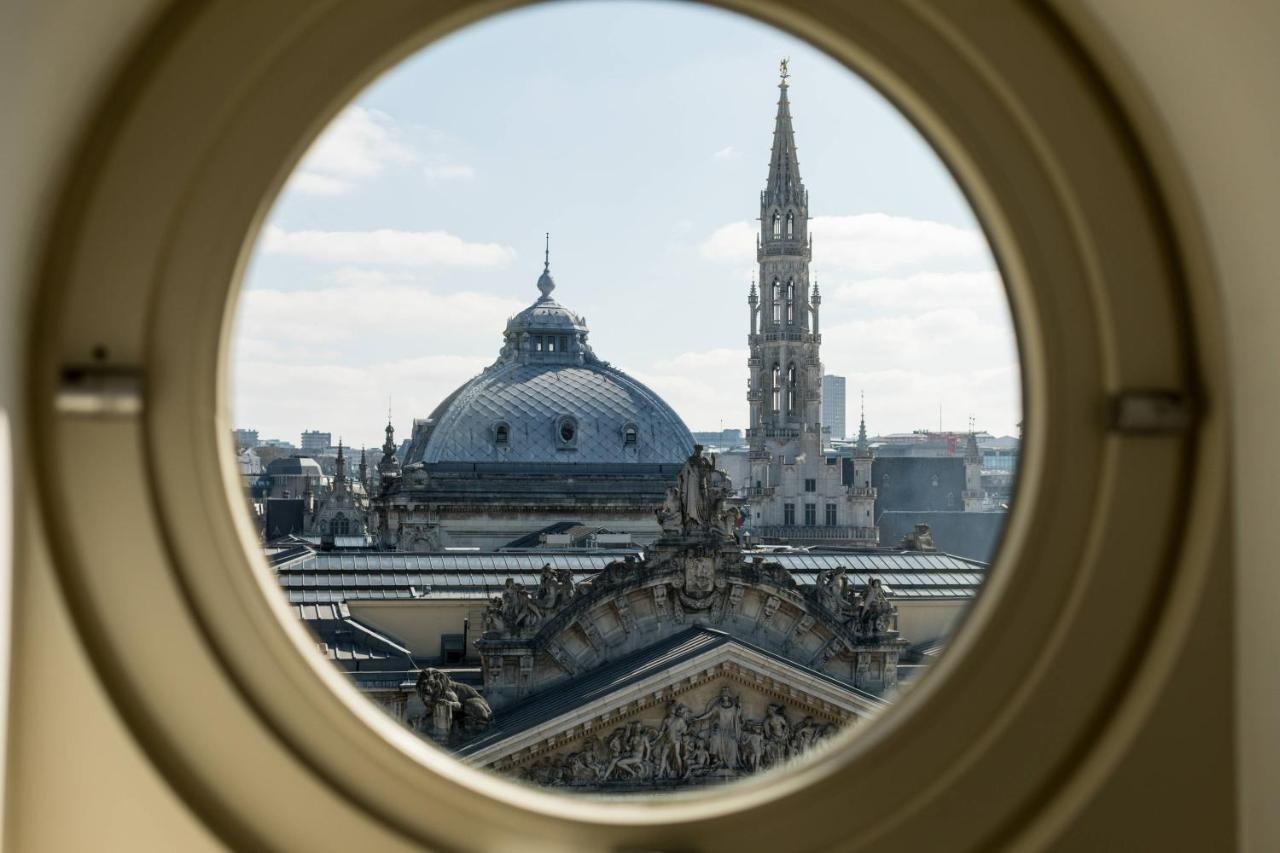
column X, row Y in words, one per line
column 670, row 515
column 451, row 707
column 520, row 613
column 875, row 616
column 726, row 721
column 555, row 589
column 494, row 621
column 831, row 590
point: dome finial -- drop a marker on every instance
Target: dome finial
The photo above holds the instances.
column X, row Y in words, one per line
column 546, row 283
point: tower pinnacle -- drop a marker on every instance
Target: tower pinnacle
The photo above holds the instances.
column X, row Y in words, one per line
column 546, row 283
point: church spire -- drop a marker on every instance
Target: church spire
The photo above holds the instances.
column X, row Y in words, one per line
column 784, row 185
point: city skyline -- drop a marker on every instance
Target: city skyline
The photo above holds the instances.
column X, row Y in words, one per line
column 413, row 230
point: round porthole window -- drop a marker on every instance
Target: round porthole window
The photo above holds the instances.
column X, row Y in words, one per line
column 137, row 451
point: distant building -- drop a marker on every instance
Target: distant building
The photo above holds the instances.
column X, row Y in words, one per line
column 833, row 405
column 245, row 438
column 314, row 441
column 725, row 438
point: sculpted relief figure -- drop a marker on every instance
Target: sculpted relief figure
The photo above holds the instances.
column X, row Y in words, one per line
column 670, row 759
column 721, row 742
column 726, row 722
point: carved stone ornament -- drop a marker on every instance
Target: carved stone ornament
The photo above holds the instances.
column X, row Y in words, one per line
column 452, row 709
column 684, row 747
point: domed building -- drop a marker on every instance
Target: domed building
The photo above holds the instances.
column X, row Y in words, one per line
column 547, row 436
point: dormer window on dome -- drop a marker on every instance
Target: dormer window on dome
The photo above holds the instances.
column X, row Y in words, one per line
column 567, row 432
column 630, row 435
column 502, row 433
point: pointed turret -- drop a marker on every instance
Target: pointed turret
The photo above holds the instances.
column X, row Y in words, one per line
column 389, row 466
column 364, row 469
column 340, row 475
column 863, row 446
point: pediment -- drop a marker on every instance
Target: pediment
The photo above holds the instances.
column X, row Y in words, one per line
column 621, row 714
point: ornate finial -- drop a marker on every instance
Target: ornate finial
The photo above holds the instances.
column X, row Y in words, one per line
column 782, row 69
column 546, row 283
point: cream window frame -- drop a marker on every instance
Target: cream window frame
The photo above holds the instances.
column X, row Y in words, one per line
column 137, row 478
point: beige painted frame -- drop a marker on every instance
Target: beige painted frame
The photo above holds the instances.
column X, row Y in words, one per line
column 1111, row 540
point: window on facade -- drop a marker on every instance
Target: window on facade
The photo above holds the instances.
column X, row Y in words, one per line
column 502, row 434
column 791, row 389
column 776, row 386
column 791, row 225
column 777, row 226
column 831, row 515
column 551, row 344
column 568, row 431
column 791, row 303
column 810, row 515
column 629, row 436
column 789, row 514
column 776, row 302
column 537, row 343
column 811, row 485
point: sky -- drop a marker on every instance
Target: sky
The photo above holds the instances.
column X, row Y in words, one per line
column 638, row 135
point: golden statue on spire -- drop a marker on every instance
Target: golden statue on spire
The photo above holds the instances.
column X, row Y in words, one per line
column 782, row 68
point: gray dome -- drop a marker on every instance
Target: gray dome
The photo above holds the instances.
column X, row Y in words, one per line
column 548, row 398
column 294, row 466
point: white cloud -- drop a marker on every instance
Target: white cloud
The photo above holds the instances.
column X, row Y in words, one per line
column 866, row 244
column 726, row 153
column 334, row 355
column 385, row 246
column 701, row 386
column 449, row 172
column 314, row 183
column 920, row 291
column 357, row 145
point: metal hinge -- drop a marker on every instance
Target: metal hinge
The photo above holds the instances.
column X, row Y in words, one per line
column 1151, row 411
column 100, row 391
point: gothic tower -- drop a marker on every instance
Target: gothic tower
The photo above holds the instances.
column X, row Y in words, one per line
column 786, row 374
column 796, row 493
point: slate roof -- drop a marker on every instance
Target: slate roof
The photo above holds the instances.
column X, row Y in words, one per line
column 565, row 696
column 532, row 389
column 532, row 398
column 317, row 578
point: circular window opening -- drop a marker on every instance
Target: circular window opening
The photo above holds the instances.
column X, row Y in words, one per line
column 734, row 575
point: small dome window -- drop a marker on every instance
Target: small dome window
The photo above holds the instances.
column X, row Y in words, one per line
column 567, row 432
column 630, row 435
column 502, row 434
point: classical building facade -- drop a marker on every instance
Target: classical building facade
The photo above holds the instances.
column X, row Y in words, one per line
column 547, row 434
column 693, row 664
column 797, row 493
